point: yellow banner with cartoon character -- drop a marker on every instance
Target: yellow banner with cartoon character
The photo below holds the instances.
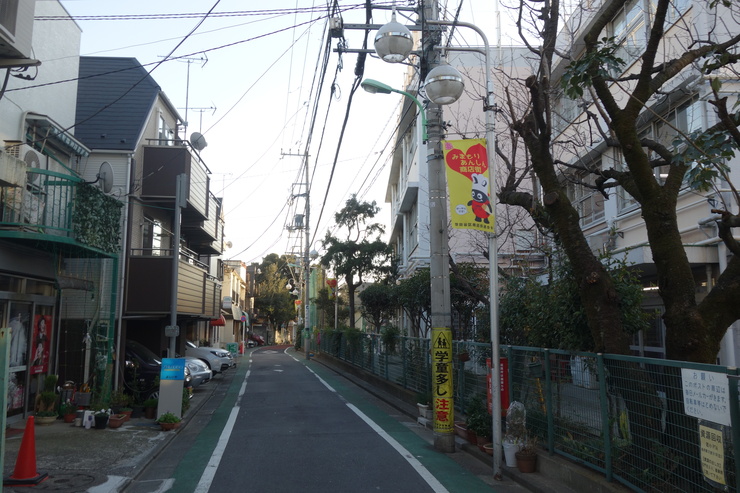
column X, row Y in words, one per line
column 466, row 165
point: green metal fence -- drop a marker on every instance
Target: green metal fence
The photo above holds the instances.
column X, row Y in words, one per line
column 652, row 425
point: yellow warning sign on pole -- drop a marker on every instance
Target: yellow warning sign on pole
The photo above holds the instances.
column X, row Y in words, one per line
column 442, row 389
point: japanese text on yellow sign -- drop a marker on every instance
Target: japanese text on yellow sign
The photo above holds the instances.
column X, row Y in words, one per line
column 466, row 163
column 442, row 391
column 712, row 454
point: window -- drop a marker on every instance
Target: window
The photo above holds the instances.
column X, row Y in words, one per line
column 165, row 135
column 588, row 201
column 675, row 10
column 628, row 30
column 152, row 237
column 413, row 232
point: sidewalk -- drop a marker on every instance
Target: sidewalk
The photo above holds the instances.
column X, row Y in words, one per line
column 98, row 461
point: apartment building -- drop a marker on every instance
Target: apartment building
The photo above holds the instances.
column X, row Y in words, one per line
column 173, row 225
column 59, row 232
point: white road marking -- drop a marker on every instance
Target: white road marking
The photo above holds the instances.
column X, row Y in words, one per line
column 427, row 476
column 413, row 461
column 210, row 471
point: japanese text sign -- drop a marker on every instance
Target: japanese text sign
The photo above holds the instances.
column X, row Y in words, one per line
column 466, row 163
column 442, row 391
column 706, row 395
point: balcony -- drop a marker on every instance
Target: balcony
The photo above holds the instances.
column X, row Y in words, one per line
column 149, row 279
column 206, row 236
column 44, row 208
column 162, row 165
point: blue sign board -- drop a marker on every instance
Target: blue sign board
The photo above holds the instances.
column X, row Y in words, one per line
column 172, row 369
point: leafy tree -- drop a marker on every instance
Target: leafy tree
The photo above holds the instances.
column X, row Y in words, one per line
column 469, row 287
column 361, row 255
column 379, row 303
column 325, row 304
column 273, row 299
column 551, row 314
column 615, row 107
column 415, row 298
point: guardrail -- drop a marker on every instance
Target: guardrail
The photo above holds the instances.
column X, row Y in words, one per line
column 650, row 424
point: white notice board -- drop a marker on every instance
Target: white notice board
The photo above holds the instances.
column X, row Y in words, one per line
column 706, row 395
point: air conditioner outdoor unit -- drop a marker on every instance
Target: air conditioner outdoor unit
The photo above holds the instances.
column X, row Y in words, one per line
column 16, row 28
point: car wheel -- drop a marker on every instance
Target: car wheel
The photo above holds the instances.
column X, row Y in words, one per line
column 154, row 394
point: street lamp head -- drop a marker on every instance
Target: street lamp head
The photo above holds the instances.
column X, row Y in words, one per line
column 374, row 87
column 393, row 41
column 444, row 84
column 314, row 254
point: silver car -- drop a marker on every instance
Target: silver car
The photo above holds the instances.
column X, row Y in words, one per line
column 199, row 371
column 217, row 359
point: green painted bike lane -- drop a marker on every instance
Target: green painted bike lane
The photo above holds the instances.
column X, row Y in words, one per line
column 454, row 477
column 451, row 475
column 191, row 467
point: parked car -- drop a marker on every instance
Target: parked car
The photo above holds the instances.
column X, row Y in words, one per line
column 217, row 359
column 142, row 369
column 199, row 371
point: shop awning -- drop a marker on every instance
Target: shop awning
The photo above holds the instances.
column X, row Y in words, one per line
column 218, row 322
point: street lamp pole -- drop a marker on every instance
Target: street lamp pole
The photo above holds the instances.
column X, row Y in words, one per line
column 489, row 109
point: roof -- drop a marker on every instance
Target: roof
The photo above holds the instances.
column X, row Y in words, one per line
column 114, row 98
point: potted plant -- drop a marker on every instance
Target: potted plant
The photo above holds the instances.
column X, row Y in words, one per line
column 101, row 418
column 526, row 457
column 68, row 411
column 474, row 414
column 516, row 431
column 45, row 418
column 150, row 408
column 126, row 411
column 120, row 400
column 116, row 420
column 481, row 424
column 423, row 402
column 168, row 421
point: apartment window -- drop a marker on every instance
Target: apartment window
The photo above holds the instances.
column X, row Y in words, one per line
column 588, row 201
column 628, row 30
column 413, row 232
column 677, row 122
column 165, row 135
column 676, row 9
column 152, row 237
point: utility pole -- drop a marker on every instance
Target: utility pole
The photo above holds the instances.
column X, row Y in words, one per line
column 306, row 260
column 441, row 318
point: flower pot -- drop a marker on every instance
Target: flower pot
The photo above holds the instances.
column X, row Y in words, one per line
column 101, row 422
column 424, row 410
column 150, row 412
column 169, row 426
column 470, row 437
column 480, row 441
column 44, row 420
column 116, row 420
column 526, row 462
column 488, row 447
column 461, row 429
column 70, row 417
column 127, row 413
column 510, row 450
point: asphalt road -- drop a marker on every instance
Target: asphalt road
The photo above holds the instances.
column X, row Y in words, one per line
column 282, row 424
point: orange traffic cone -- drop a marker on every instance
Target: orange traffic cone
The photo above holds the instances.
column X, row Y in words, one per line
column 25, row 472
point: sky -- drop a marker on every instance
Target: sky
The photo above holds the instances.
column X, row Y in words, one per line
column 246, row 77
